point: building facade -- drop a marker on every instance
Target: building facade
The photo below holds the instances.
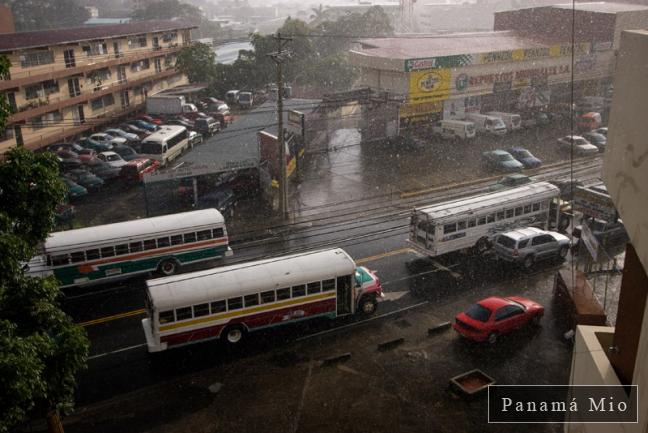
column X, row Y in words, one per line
column 64, row 83
column 525, row 64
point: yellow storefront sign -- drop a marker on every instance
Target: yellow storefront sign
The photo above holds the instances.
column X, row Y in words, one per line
column 429, row 86
column 416, row 110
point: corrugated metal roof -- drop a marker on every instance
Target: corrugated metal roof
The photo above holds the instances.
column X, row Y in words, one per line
column 603, row 7
column 44, row 38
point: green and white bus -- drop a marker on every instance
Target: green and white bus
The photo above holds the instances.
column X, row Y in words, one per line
column 114, row 251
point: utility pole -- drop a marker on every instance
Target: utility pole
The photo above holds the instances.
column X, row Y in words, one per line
column 279, row 57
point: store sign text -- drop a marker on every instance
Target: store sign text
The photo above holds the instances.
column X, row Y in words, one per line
column 524, row 74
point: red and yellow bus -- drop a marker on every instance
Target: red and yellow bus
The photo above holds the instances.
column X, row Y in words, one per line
column 233, row 300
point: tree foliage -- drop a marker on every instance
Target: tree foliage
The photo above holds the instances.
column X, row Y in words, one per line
column 197, row 62
column 167, row 10
column 41, row 350
column 47, row 14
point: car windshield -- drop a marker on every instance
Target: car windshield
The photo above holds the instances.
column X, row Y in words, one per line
column 478, row 312
column 152, row 148
column 113, row 158
column 498, row 123
column 506, row 241
column 523, row 154
column 504, row 157
column 579, row 141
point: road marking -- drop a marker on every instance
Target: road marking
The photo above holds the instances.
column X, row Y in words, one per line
column 142, row 310
column 443, row 268
column 124, row 349
column 384, row 255
column 113, row 317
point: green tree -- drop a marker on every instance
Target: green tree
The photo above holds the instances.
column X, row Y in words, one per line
column 166, row 10
column 47, row 14
column 41, row 349
column 318, row 14
column 198, row 62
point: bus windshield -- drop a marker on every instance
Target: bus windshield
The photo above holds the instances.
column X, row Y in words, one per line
column 152, row 148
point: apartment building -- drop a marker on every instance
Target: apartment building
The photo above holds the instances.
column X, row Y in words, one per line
column 66, row 82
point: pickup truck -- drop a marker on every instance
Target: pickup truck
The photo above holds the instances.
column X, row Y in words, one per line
column 206, row 126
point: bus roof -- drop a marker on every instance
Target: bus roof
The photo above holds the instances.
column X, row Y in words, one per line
column 476, row 203
column 164, row 132
column 110, row 233
column 249, row 277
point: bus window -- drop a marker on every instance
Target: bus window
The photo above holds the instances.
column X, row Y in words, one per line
column 267, row 297
column 201, row 310
column 135, row 247
column 167, row 317
column 536, row 207
column 449, row 228
column 481, row 221
column 107, row 251
column 518, row 211
column 251, row 300
column 203, row 235
column 183, row 313
column 328, row 285
column 218, row 307
column 461, row 225
column 218, row 233
column 500, row 215
column 491, row 218
column 235, row 303
column 189, row 237
column 176, row 240
column 509, row 213
column 59, row 260
column 149, row 244
column 121, row 249
column 527, row 208
column 163, row 242
column 314, row 287
column 77, row 257
column 283, row 294
column 472, row 223
column 92, row 254
column 298, row 291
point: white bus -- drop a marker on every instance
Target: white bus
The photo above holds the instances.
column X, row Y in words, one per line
column 472, row 222
column 232, row 300
column 165, row 144
column 96, row 254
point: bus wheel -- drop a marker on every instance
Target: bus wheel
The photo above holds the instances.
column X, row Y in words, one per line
column 234, row 334
column 168, row 267
column 529, row 261
column 368, row 305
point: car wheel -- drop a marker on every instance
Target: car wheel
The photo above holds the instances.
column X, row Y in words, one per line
column 234, row 334
column 492, row 337
column 368, row 305
column 529, row 261
column 168, row 267
column 563, row 251
column 536, row 319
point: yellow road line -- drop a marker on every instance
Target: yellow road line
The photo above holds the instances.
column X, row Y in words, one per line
column 142, row 310
column 113, row 317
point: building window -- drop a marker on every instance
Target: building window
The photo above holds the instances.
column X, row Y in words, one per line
column 33, row 92
column 95, row 49
column 102, row 102
column 36, row 58
column 6, row 134
column 46, row 119
column 137, row 41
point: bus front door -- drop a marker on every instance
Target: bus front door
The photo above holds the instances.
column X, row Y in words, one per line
column 344, row 295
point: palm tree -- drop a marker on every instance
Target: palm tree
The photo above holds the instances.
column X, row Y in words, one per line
column 318, row 14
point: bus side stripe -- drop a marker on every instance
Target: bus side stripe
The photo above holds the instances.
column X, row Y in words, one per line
column 249, row 311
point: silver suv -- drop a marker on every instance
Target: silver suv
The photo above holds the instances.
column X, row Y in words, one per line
column 529, row 245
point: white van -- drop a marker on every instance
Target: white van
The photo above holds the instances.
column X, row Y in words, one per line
column 452, row 129
column 485, row 123
column 512, row 121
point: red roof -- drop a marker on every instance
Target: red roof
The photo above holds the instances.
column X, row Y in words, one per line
column 44, row 38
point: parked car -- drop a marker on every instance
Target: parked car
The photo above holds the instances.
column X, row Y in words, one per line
column 528, row 245
column 195, row 138
column 579, row 145
column 74, row 190
column 112, row 159
column 102, row 169
column 141, row 133
column 588, row 121
column 64, row 213
column 67, row 154
column 500, row 160
column 117, row 132
column 94, row 145
column 206, row 126
column 143, row 125
column 527, row 159
column 530, row 120
column 102, row 137
column 598, row 140
column 126, row 152
column 87, row 154
column 188, row 125
column 510, row 181
column 73, row 147
column 221, row 199
column 602, row 130
column 66, row 164
column 491, row 317
column 135, row 170
column 149, row 119
column 612, row 233
column 86, row 179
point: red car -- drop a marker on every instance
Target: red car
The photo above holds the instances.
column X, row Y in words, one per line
column 135, row 169
column 149, row 119
column 491, row 317
column 87, row 154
